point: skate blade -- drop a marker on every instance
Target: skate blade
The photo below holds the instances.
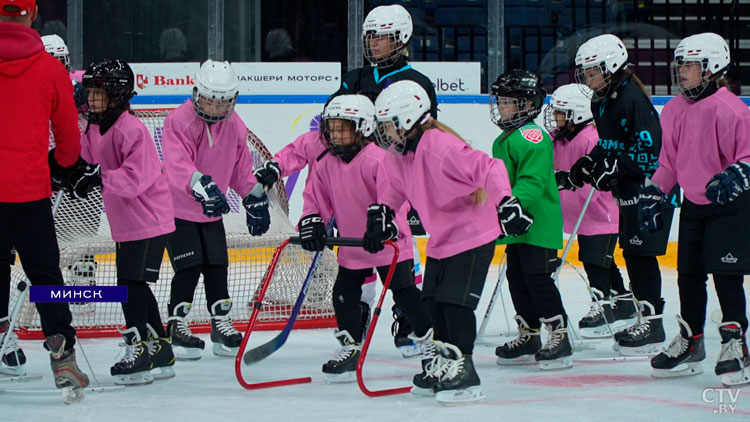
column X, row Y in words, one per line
column 187, row 353
column 17, row 371
column 602, row 331
column 72, row 395
column 344, row 377
column 646, row 350
column 471, row 395
column 422, row 392
column 409, row 351
column 165, row 372
column 521, row 360
column 221, row 350
column 555, row 364
column 733, row 379
column 681, row 370
column 139, row 378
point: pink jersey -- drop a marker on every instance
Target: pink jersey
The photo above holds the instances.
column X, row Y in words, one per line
column 345, row 190
column 439, row 180
column 134, row 186
column 701, row 139
column 602, row 216
column 219, row 150
column 304, row 151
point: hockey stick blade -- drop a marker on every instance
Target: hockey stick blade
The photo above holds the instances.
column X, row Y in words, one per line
column 266, row 349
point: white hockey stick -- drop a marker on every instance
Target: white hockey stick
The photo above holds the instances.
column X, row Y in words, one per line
column 482, row 338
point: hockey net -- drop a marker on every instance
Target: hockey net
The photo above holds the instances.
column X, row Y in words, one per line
column 87, row 257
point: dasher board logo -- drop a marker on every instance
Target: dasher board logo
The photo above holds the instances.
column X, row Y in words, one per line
column 729, row 259
column 636, row 241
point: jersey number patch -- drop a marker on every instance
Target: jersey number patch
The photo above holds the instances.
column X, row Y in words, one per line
column 532, row 135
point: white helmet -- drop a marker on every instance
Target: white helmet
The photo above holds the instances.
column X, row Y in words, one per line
column 215, row 92
column 393, row 21
column 605, row 52
column 710, row 51
column 575, row 101
column 55, row 46
column 360, row 111
column 398, row 109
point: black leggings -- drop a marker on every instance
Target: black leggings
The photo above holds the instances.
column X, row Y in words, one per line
column 694, row 298
column 141, row 308
column 185, row 281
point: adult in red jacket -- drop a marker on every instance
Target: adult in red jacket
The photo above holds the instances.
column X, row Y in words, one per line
column 36, row 91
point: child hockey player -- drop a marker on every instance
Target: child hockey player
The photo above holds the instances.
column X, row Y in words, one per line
column 343, row 184
column 516, row 99
column 569, row 121
column 706, row 135
column 206, row 152
column 124, row 160
column 437, row 172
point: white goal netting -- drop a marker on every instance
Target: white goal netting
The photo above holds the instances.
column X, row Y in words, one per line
column 87, row 257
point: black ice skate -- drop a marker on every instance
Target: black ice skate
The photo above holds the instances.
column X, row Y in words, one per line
column 68, row 376
column 520, row 350
column 682, row 357
column 733, row 364
column 12, row 358
column 425, row 381
column 459, row 383
column 401, row 329
column 135, row 366
column 557, row 352
column 343, row 367
column 225, row 337
column 162, row 357
column 598, row 323
column 185, row 345
column 645, row 337
column 623, row 306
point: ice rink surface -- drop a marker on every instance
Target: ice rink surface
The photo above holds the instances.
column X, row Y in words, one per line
column 595, row 389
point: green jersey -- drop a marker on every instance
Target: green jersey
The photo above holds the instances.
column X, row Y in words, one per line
column 527, row 153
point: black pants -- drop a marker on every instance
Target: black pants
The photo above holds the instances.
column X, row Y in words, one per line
column 605, row 279
column 6, row 261
column 29, row 227
column 347, row 291
column 700, row 251
column 530, row 282
column 451, row 288
column 596, row 253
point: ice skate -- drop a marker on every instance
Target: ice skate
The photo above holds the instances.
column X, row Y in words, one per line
column 425, row 381
column 733, row 364
column 401, row 329
column 521, row 350
column 135, row 366
column 162, row 357
column 185, row 345
column 645, row 337
column 683, row 357
column 557, row 352
column 598, row 323
column 343, row 367
column 68, row 376
column 13, row 360
column 623, row 307
column 459, row 383
column 225, row 337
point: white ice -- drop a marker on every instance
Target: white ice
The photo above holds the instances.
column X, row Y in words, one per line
column 206, row 390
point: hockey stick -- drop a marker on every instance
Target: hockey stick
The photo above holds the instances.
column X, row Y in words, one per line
column 15, row 312
column 493, row 300
column 264, row 350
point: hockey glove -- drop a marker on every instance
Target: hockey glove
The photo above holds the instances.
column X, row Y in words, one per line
column 726, row 186
column 562, row 177
column 59, row 176
column 80, row 96
column 514, row 220
column 380, row 227
column 580, row 173
column 258, row 217
column 604, row 175
column 269, row 174
column 212, row 200
column 650, row 207
column 84, row 177
column 312, row 233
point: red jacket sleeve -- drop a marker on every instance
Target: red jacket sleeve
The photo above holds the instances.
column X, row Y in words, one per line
column 64, row 119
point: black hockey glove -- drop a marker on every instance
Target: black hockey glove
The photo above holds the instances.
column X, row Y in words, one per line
column 268, row 174
column 514, row 220
column 562, row 177
column 80, row 96
column 258, row 217
column 650, row 207
column 580, row 173
column 84, row 177
column 312, row 233
column 59, row 176
column 380, row 227
column 726, row 186
column 605, row 173
column 212, row 200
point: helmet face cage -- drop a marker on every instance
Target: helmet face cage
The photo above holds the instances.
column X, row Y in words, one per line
column 55, row 46
column 606, row 80
column 387, row 55
column 345, row 147
column 391, row 27
column 214, row 108
column 390, row 136
column 116, row 78
column 513, row 119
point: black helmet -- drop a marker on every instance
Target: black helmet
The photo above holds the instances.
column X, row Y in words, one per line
column 524, row 86
column 116, row 77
